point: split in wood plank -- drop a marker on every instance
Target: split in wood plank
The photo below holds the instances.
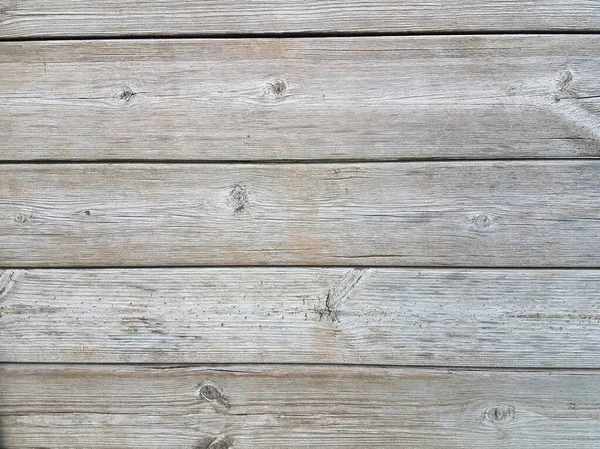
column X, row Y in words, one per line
column 500, row 214
column 510, row 318
column 448, row 97
column 287, row 407
column 76, row 18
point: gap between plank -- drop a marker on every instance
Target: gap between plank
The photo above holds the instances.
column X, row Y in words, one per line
column 162, row 365
column 296, row 266
column 288, row 161
column 293, row 35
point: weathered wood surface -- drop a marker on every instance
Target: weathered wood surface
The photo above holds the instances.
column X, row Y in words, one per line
column 298, row 99
column 517, row 318
column 39, row 18
column 242, row 407
column 532, row 213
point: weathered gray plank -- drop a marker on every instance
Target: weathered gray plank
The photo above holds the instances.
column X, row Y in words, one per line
column 522, row 214
column 72, row 407
column 264, row 99
column 178, row 17
column 534, row 318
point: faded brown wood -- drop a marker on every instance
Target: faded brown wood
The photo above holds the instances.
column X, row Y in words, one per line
column 288, row 407
column 498, row 318
column 475, row 97
column 178, row 17
column 526, row 214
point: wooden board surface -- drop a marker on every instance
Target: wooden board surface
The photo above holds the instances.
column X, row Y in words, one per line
column 39, row 18
column 289, row 407
column 517, row 318
column 457, row 97
column 380, row 214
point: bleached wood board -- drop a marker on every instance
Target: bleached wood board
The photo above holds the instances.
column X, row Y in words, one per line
column 39, row 18
column 522, row 214
column 288, row 407
column 501, row 318
column 302, row 99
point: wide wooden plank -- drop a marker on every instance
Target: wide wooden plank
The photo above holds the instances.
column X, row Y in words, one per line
column 302, row 99
column 379, row 214
column 242, row 407
column 517, row 318
column 39, row 18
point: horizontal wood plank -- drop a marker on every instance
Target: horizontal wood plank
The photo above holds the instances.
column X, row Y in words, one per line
column 450, row 97
column 499, row 214
column 240, row 407
column 514, row 318
column 39, row 18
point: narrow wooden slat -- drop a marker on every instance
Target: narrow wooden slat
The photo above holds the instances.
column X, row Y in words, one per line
column 379, row 214
column 296, row 407
column 302, row 99
column 515, row 318
column 40, row 18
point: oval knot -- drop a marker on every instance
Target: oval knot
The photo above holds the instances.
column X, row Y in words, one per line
column 500, row 413
column 482, row 221
column 125, row 95
column 276, row 88
column 210, row 392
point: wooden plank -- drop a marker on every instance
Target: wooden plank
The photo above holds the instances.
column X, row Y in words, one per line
column 302, row 99
column 296, row 407
column 514, row 318
column 379, row 214
column 39, row 18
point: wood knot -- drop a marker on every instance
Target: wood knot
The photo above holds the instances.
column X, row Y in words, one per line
column 500, row 414
column 21, row 218
column 564, row 79
column 211, row 392
column 7, row 282
column 276, row 88
column 238, row 198
column 125, row 95
column 482, row 221
column 219, row 443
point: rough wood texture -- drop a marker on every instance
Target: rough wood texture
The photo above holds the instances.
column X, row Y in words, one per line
column 71, row 407
column 531, row 318
column 297, row 99
column 41, row 18
column 378, row 214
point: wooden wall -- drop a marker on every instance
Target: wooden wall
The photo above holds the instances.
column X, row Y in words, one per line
column 334, row 224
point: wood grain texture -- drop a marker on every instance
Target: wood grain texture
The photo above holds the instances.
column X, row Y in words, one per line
column 500, row 318
column 475, row 97
column 39, row 18
column 72, row 407
column 499, row 214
